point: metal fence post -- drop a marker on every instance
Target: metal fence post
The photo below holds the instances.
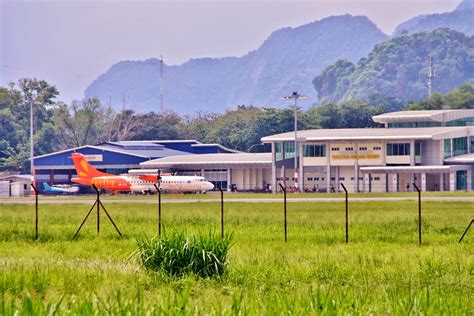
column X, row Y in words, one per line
column 36, row 210
column 284, row 211
column 98, row 209
column 99, row 204
column 222, row 211
column 158, row 190
column 419, row 212
column 465, row 232
column 347, row 212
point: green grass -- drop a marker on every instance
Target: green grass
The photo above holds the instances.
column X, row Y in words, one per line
column 381, row 271
column 177, row 255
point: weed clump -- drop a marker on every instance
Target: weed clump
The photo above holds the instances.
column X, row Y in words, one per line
column 176, row 254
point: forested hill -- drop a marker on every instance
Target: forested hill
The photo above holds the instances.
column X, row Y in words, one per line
column 461, row 19
column 287, row 61
column 399, row 68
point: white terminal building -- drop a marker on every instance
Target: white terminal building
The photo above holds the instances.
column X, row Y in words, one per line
column 433, row 149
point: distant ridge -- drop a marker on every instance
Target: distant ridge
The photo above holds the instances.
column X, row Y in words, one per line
column 287, row 61
column 399, row 68
column 461, row 19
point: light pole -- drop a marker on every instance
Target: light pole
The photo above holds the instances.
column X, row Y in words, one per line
column 295, row 96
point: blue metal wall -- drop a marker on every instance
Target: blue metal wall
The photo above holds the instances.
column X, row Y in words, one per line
column 109, row 158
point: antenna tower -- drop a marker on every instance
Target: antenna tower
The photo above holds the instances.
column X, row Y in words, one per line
column 161, row 84
column 431, row 76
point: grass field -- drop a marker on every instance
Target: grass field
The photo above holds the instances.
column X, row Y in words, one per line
column 381, row 271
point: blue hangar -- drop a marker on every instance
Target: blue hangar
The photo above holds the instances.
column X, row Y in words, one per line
column 116, row 157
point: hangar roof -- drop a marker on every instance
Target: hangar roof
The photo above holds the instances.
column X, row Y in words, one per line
column 221, row 161
column 189, row 146
column 354, row 134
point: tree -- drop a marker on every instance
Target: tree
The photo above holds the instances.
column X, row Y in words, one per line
column 15, row 102
column 81, row 123
column 162, row 126
column 459, row 98
column 121, row 126
column 325, row 116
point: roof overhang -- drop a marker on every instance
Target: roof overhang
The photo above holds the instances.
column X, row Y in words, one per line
column 461, row 159
column 412, row 169
column 423, row 116
column 373, row 134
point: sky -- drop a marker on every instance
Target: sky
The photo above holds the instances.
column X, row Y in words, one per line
column 69, row 43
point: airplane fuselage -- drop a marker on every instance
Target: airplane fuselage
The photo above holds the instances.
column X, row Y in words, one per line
column 88, row 175
column 144, row 184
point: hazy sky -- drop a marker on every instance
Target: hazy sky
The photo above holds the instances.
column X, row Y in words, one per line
column 71, row 42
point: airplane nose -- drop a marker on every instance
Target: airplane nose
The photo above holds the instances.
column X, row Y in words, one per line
column 210, row 186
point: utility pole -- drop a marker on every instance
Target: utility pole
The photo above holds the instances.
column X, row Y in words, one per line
column 431, row 76
column 161, row 85
column 295, row 96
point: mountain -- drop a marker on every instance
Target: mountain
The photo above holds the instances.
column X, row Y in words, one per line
column 461, row 19
column 399, row 68
column 287, row 61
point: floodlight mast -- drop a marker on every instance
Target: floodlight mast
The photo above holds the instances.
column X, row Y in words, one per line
column 295, row 96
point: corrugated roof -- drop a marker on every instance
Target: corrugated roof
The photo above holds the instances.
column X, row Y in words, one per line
column 164, row 152
column 423, row 116
column 132, row 144
column 216, row 145
column 17, row 176
column 353, row 134
column 148, row 153
column 212, row 160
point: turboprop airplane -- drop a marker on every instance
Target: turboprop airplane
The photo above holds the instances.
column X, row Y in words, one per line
column 60, row 189
column 88, row 175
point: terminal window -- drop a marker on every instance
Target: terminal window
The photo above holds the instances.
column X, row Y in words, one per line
column 402, row 149
column 314, row 150
column 278, row 151
column 447, row 148
column 459, row 146
column 289, row 149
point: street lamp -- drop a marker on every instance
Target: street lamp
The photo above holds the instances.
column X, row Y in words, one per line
column 295, row 96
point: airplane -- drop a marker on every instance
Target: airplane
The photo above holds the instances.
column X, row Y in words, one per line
column 60, row 188
column 88, row 175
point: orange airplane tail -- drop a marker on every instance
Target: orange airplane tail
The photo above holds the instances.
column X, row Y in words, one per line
column 84, row 169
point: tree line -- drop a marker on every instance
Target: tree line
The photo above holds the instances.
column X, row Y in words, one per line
column 59, row 126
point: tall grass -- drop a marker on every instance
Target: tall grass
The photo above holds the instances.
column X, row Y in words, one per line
column 177, row 254
column 381, row 271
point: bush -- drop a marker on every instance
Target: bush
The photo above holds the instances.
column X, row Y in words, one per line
column 176, row 254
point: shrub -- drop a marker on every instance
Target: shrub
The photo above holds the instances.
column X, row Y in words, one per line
column 176, row 254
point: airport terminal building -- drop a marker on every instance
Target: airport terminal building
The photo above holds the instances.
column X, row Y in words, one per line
column 434, row 149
